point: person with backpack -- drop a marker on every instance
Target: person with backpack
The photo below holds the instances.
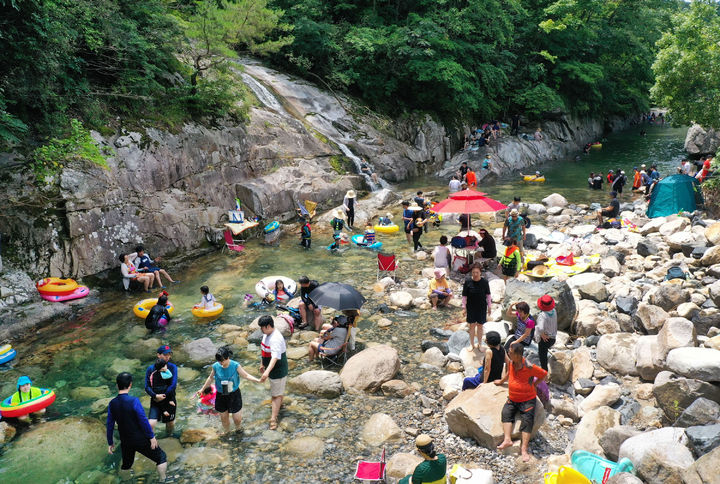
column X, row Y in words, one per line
column 511, row 261
column 515, row 228
column 619, row 182
column 337, row 223
column 524, row 327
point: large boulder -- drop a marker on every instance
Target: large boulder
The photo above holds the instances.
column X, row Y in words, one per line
column 368, row 370
column 651, row 318
column 595, row 291
column 582, row 364
column 435, row 357
column 402, row 464
column 698, row 363
column 674, row 393
column 529, row 292
column 401, row 299
column 308, row 447
column 610, row 266
column 380, row 428
column 198, row 352
column 613, row 438
column 458, row 341
column 475, row 413
column 703, row 438
column 55, row 451
column 279, row 323
column 673, row 225
column 616, row 353
column 675, row 333
column 592, row 427
column 560, row 366
column 321, row 383
column 555, row 200
column 701, row 412
column 712, row 233
column 669, row 296
column 702, row 141
column 711, row 256
column 601, row 396
column 646, row 349
column 660, row 455
column 704, row 470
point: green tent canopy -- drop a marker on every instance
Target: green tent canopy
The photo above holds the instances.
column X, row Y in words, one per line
column 673, row 194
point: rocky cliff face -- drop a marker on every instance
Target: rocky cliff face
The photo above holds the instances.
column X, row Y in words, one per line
column 561, row 139
column 700, row 141
column 171, row 191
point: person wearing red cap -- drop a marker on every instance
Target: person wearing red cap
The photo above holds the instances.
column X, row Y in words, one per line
column 545, row 328
column 164, row 353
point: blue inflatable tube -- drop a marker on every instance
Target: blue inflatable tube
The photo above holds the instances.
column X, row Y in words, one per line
column 358, row 240
column 7, row 357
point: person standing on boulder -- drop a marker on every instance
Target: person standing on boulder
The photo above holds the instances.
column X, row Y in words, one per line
column 477, row 303
column 523, row 379
column 136, row 434
column 349, row 207
column 545, row 328
column 274, row 365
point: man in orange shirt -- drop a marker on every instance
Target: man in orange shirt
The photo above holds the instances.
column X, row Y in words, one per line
column 470, row 178
column 522, row 392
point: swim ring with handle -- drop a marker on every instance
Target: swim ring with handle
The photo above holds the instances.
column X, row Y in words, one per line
column 208, row 313
column 46, row 398
column 54, row 286
column 271, row 227
column 386, row 229
column 142, row 309
column 78, row 293
column 266, row 285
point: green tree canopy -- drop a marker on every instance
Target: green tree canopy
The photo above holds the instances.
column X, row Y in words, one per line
column 687, row 68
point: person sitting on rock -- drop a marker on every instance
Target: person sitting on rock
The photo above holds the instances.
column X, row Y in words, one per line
column 146, row 264
column 523, row 379
column 525, row 325
column 332, row 337
column 307, row 306
column 439, row 291
column 611, row 211
column 130, row 272
column 430, row 471
column 493, row 365
column 511, row 261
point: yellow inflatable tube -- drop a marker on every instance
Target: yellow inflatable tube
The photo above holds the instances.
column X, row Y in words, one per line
column 566, row 475
column 142, row 309
column 207, row 313
column 386, row 229
column 533, row 178
column 4, row 349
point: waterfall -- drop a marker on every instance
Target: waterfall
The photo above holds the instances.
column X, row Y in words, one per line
column 270, row 101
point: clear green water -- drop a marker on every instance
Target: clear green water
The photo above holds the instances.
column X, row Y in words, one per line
column 70, row 354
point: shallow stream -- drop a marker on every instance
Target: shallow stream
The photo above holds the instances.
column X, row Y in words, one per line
column 81, row 352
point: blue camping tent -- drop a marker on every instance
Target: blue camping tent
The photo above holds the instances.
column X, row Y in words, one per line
column 673, row 194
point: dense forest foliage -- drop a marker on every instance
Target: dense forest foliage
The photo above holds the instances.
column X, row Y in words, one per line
column 165, row 61
column 465, row 59
column 101, row 60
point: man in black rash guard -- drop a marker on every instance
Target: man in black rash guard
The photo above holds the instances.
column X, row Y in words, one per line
column 134, row 428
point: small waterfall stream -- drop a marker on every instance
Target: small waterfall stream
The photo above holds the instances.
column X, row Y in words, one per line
column 268, row 99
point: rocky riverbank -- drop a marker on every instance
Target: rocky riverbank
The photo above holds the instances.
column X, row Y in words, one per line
column 637, row 359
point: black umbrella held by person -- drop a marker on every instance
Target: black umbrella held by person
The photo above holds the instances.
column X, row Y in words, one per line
column 337, row 296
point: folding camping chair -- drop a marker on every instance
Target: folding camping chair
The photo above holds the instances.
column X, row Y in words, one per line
column 387, row 263
column 371, row 471
column 337, row 359
column 230, row 243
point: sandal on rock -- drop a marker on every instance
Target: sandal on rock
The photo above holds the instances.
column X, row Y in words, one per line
column 273, row 424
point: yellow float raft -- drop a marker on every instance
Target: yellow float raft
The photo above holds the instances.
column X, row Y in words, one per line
column 554, row 269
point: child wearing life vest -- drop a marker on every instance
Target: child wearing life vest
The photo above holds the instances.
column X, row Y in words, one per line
column 511, row 261
column 369, row 237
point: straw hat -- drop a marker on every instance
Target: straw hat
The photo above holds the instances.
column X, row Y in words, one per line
column 338, row 213
column 414, row 208
column 439, row 273
column 546, row 303
column 351, row 194
column 514, row 212
column 423, row 440
column 539, row 271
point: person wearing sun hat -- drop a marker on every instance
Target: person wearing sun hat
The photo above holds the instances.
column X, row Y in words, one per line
column 439, row 291
column 349, row 207
column 545, row 328
column 430, row 471
column 337, row 223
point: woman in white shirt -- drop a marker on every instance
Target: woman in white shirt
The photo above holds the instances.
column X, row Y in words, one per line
column 130, row 272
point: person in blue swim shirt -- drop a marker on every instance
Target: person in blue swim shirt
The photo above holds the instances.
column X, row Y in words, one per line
column 145, row 264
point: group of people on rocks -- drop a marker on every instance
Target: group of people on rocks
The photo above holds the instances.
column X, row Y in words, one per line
column 139, row 267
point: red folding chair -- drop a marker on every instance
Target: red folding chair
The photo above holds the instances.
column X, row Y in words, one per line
column 371, row 471
column 387, row 263
column 230, row 243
